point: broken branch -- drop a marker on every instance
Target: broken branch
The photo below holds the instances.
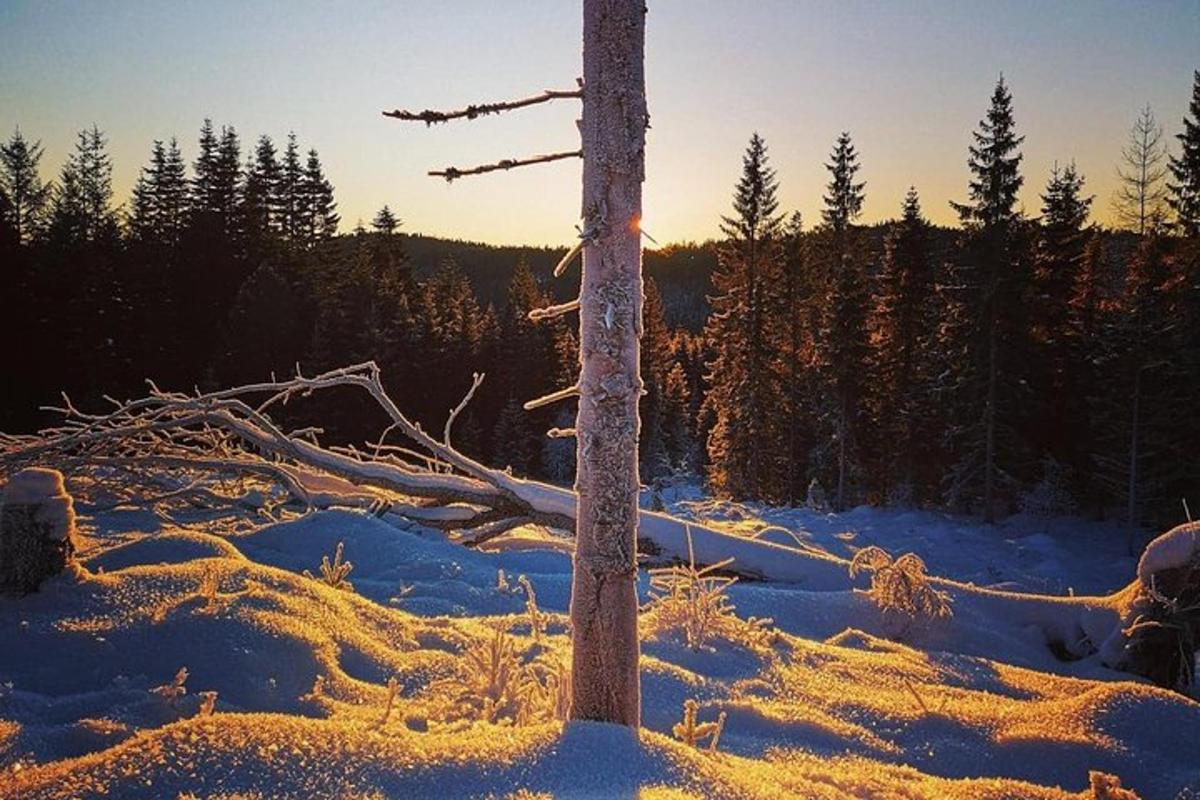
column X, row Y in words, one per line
column 553, row 397
column 453, row 173
column 431, row 117
column 550, row 312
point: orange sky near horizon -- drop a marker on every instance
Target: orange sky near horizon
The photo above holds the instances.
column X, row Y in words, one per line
column 910, row 81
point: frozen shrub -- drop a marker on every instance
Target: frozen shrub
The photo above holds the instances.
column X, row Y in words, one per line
column 537, row 620
column 490, row 686
column 393, row 686
column 547, row 691
column 171, row 692
column 1050, row 496
column 1108, row 787
column 693, row 601
column 691, row 732
column 333, row 573
column 900, row 589
column 494, row 685
column 208, row 702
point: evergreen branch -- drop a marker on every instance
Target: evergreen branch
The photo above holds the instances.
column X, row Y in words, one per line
column 451, row 173
column 431, row 117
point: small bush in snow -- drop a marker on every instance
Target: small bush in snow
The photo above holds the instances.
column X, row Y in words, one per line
column 493, row 685
column 393, row 686
column 547, row 691
column 1051, row 496
column 1108, row 787
column 171, row 692
column 694, row 602
column 208, row 702
column 900, row 589
column 691, row 732
column 333, row 573
column 490, row 686
column 537, row 620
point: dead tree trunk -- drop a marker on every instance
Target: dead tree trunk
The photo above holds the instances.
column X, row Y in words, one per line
column 605, row 648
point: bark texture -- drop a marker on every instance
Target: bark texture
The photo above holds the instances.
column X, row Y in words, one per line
column 603, row 596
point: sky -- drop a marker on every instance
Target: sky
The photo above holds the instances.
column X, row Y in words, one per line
column 909, row 80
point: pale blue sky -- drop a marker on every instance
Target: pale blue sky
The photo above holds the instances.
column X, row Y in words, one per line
column 909, row 80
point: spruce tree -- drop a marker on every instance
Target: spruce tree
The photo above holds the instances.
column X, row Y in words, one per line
column 264, row 331
column 226, row 185
column 844, row 202
column 1083, row 388
column 904, row 322
column 27, row 198
column 798, row 350
column 747, row 442
column 290, row 194
column 261, row 210
column 204, row 170
column 526, row 355
column 843, row 342
column 993, row 273
column 385, row 221
column 1058, row 260
column 1140, row 410
column 83, row 243
column 159, row 205
column 654, row 458
column 320, row 219
column 1185, row 169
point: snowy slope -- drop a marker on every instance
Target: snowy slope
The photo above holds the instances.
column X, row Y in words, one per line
column 977, row 707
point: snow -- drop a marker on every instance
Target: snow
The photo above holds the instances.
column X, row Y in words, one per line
column 1175, row 548
column 43, row 488
column 33, row 485
column 974, row 706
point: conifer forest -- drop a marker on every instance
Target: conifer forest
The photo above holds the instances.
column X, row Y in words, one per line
column 849, row 447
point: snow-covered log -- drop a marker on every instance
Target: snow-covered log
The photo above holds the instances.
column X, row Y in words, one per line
column 223, row 434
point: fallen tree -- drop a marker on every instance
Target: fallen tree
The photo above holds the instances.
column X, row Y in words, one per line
column 231, row 434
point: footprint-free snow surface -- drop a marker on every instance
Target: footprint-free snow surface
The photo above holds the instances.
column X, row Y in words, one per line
column 430, row 677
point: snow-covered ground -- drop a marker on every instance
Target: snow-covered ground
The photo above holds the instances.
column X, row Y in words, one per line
column 974, row 706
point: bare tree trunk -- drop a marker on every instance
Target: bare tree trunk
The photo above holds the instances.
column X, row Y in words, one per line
column 604, row 668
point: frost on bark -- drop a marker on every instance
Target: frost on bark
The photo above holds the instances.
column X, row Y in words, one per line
column 37, row 529
column 603, row 595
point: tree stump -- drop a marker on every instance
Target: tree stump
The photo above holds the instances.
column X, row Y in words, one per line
column 37, row 529
column 1163, row 621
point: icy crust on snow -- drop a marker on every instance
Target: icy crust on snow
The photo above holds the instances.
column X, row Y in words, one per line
column 1176, row 548
column 976, row 708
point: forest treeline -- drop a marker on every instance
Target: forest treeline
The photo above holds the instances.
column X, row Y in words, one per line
column 1032, row 361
